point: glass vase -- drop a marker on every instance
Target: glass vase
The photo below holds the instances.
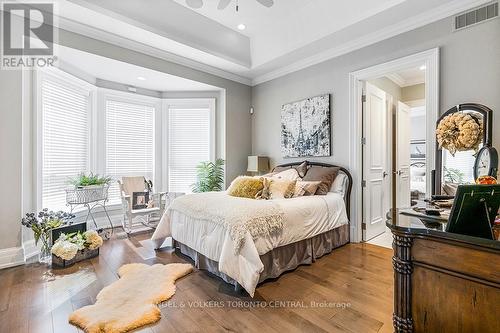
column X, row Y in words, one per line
column 45, row 255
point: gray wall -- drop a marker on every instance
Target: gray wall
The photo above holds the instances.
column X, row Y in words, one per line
column 389, row 87
column 413, row 93
column 237, row 121
column 11, row 158
column 469, row 72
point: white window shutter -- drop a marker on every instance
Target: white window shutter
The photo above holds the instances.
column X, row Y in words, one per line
column 129, row 142
column 189, row 138
column 65, row 139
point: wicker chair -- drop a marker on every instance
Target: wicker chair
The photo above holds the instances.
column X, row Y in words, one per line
column 147, row 216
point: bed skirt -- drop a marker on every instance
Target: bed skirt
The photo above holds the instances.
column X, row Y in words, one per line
column 281, row 259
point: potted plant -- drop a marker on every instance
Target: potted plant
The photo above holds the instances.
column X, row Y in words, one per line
column 74, row 247
column 209, row 176
column 42, row 224
column 84, row 180
column 87, row 188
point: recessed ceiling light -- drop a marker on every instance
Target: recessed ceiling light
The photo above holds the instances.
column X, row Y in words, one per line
column 141, row 78
column 241, row 26
column 423, row 68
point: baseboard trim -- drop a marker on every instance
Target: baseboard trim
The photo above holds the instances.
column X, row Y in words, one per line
column 30, row 249
column 11, row 257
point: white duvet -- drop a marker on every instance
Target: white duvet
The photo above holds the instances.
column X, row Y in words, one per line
column 305, row 217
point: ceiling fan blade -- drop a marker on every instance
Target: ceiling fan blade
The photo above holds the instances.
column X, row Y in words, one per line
column 195, row 3
column 223, row 4
column 267, row 3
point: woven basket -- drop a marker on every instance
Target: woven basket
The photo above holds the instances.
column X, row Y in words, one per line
column 87, row 194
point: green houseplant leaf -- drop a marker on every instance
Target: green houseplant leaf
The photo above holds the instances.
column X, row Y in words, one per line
column 209, row 176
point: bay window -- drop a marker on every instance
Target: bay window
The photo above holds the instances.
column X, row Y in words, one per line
column 82, row 128
column 129, row 142
column 64, row 136
column 190, row 141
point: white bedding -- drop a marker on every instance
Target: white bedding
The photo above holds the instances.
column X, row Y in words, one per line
column 305, row 217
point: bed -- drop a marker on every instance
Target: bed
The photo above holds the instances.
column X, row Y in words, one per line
column 312, row 227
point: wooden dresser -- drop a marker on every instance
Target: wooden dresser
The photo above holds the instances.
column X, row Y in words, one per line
column 443, row 282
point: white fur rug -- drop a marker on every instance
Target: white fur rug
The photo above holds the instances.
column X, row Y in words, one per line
column 130, row 302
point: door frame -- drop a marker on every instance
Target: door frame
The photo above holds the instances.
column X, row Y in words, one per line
column 431, row 60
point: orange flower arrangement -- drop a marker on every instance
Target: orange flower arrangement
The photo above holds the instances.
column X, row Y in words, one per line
column 486, row 180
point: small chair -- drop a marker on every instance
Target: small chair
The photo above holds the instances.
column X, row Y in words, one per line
column 128, row 186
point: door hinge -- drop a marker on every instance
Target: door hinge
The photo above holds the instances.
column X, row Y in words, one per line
column 363, row 98
column 363, row 141
column 363, row 183
column 363, row 226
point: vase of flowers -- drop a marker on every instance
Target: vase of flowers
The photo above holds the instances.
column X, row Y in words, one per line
column 71, row 248
column 42, row 225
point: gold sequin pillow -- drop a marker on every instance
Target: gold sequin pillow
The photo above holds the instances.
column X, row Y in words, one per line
column 246, row 187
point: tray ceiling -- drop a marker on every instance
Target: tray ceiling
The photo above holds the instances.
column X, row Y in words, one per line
column 290, row 35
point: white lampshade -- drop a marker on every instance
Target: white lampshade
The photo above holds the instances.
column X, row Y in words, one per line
column 258, row 164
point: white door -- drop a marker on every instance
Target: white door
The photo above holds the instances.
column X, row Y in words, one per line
column 403, row 156
column 375, row 169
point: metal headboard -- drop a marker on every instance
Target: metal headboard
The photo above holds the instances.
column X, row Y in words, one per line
column 347, row 198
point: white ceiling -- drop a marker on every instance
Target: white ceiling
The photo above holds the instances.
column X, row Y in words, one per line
column 90, row 67
column 290, row 24
column 291, row 35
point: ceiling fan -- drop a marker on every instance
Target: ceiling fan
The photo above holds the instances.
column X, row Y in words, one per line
column 224, row 3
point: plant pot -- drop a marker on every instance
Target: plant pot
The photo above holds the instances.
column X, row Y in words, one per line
column 80, row 255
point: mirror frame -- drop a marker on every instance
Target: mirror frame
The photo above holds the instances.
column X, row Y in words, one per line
column 487, row 114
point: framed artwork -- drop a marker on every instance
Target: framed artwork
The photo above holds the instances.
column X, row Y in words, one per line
column 417, row 149
column 305, row 127
column 140, row 200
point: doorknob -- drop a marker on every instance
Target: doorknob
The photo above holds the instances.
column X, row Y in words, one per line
column 384, row 174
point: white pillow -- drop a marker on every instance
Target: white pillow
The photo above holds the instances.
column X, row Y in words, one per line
column 290, row 174
column 340, row 184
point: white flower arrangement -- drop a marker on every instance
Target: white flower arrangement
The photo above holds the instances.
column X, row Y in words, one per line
column 67, row 246
column 92, row 239
column 64, row 249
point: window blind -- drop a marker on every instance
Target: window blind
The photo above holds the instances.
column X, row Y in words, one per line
column 463, row 161
column 189, row 144
column 129, row 142
column 65, row 139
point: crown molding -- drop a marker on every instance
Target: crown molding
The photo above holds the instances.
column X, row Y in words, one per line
column 412, row 23
column 415, row 22
column 413, row 82
column 105, row 36
column 397, row 79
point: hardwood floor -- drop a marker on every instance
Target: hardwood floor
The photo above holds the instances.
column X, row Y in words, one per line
column 349, row 290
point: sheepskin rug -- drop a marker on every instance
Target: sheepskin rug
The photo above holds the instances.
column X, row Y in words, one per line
column 130, row 302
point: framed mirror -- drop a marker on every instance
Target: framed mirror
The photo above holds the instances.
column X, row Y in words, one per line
column 455, row 163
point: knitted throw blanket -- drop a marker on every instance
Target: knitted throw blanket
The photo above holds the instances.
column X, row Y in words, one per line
column 237, row 215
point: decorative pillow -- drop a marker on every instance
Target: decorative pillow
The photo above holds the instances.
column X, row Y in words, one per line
column 303, row 188
column 246, row 187
column 339, row 184
column 326, row 175
column 290, row 174
column 281, row 188
column 265, row 193
column 270, row 174
column 301, row 169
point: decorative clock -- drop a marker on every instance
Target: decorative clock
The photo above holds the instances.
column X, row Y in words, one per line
column 486, row 162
